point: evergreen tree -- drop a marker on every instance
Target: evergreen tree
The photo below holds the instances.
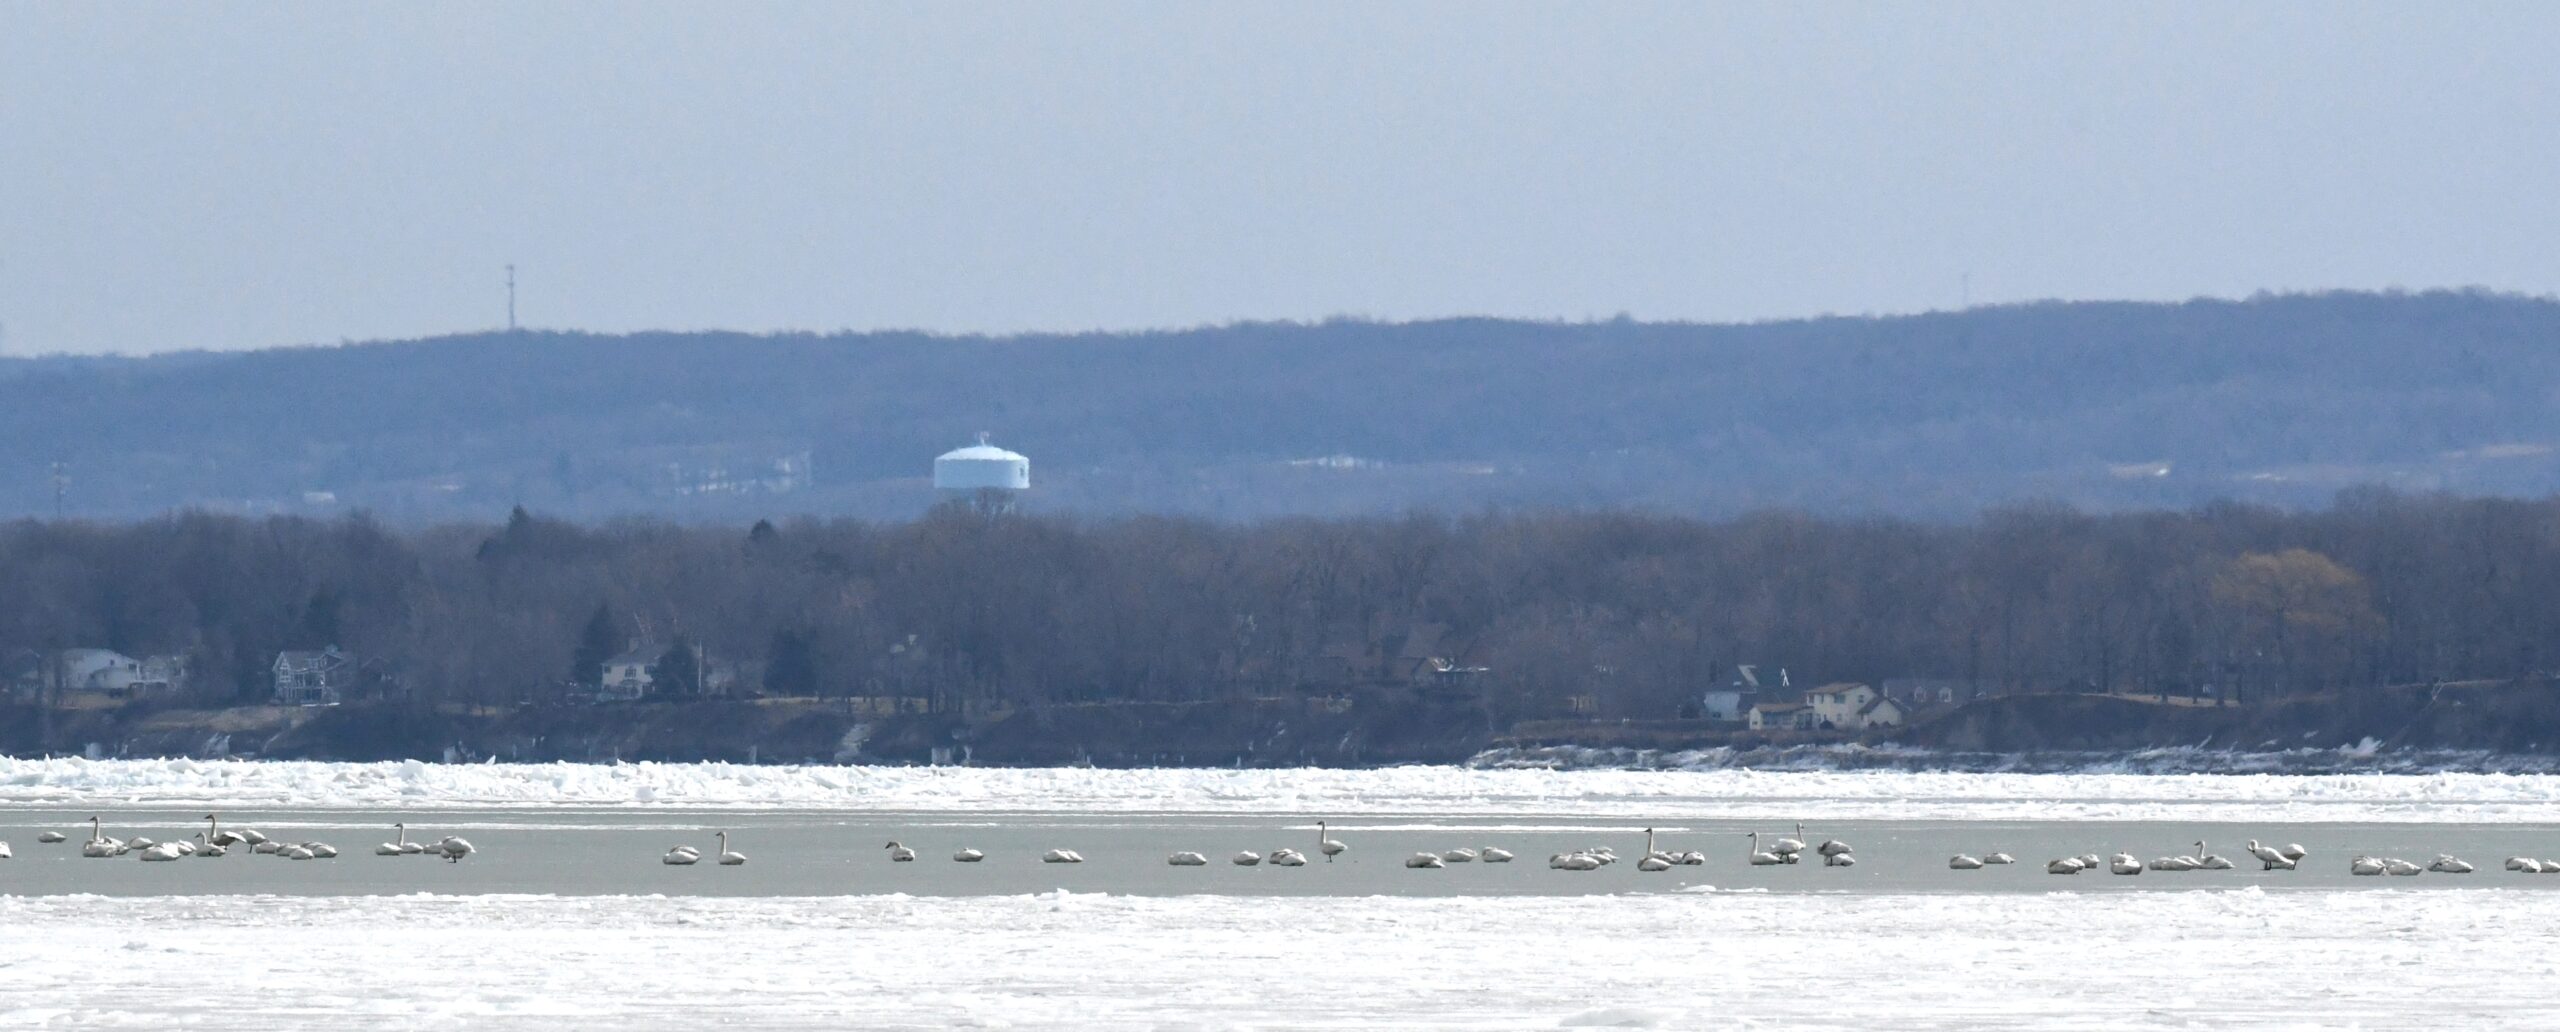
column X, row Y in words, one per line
column 596, row 644
column 790, row 664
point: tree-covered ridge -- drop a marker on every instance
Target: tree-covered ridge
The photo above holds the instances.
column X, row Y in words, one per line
column 1633, row 613
column 2105, row 405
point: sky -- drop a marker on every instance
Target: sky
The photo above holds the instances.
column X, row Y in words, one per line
column 210, row 175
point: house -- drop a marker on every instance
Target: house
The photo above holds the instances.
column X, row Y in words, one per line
column 630, row 675
column 634, row 673
column 1915, row 694
column 1397, row 653
column 319, row 678
column 1731, row 701
column 1783, row 716
column 1850, row 706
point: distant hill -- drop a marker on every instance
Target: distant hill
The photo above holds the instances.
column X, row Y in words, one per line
column 2108, row 405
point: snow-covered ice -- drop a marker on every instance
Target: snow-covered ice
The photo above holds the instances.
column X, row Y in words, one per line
column 1399, row 791
column 2472, row 959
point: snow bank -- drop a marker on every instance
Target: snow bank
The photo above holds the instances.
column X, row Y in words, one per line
column 1400, row 791
column 2373, row 958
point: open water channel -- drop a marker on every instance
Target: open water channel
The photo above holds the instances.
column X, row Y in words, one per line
column 616, row 851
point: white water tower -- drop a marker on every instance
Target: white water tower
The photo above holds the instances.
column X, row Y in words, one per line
column 990, row 475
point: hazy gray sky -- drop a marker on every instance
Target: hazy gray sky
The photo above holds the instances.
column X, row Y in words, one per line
column 210, row 175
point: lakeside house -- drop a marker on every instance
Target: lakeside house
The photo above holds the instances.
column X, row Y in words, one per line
column 1731, row 701
column 314, row 678
column 1850, row 706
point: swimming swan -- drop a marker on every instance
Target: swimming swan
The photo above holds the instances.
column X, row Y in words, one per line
column 729, row 858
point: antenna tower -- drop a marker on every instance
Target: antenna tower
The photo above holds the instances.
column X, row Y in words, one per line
column 61, row 487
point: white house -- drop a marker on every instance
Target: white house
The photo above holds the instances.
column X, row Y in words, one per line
column 631, row 674
column 305, row 678
column 1852, row 707
column 104, row 671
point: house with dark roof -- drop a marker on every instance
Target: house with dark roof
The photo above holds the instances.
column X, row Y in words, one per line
column 307, row 678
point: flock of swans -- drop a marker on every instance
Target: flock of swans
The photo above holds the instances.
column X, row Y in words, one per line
column 215, row 841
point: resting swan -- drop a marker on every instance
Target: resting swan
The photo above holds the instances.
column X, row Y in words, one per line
column 968, row 856
column 727, row 857
column 1574, row 862
column 2446, row 863
column 1789, row 847
column 1284, row 857
column 1248, row 858
column 2365, row 865
column 2524, row 864
column 900, row 854
column 2066, row 865
column 681, row 856
column 1961, row 862
column 1761, row 857
column 1425, row 860
column 1495, row 855
column 1187, row 858
column 403, row 847
column 2124, row 863
column 1061, row 856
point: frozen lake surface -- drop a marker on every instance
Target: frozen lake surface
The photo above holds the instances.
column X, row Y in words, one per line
column 565, row 917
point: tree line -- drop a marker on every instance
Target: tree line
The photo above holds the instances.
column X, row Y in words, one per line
column 1633, row 612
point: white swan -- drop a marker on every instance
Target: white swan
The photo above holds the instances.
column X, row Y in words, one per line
column 215, row 836
column 1329, row 847
column 2269, row 856
column 1574, row 862
column 1789, row 847
column 2365, row 865
column 2550, row 866
column 5, row 854
column 1494, row 855
column 1961, row 862
column 1840, row 860
column 1061, row 856
column 1425, row 860
column 1603, row 854
column 2206, row 861
column 322, row 850
column 2066, row 865
column 162, row 852
column 2446, row 863
column 1187, row 858
column 900, row 854
column 681, row 856
column 1460, row 855
column 1287, row 857
column 2124, row 863
column 400, row 848
column 2292, row 851
column 728, row 857
column 2091, row 861
column 1248, row 858
column 1761, row 857
column 140, row 842
column 2173, row 863
column 968, row 856
column 209, row 849
column 252, row 836
column 1832, row 847
column 1654, row 860
column 1999, row 858
column 99, row 845
column 302, row 852
column 2399, row 868
column 2524, row 864
column 50, row 837
column 267, row 847
column 453, row 849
